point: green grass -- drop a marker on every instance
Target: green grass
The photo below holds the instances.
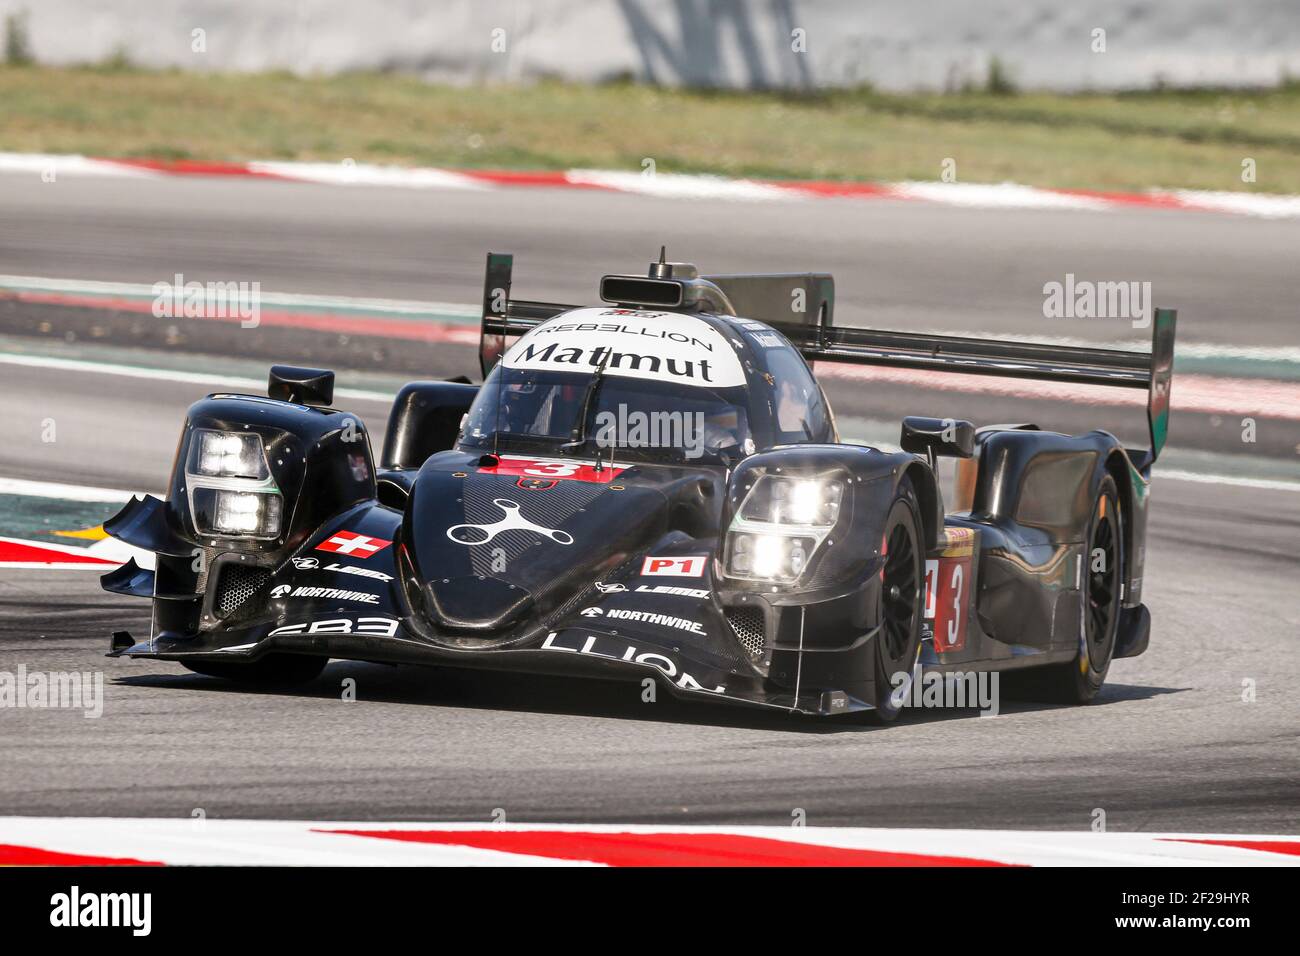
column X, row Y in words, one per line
column 1170, row 139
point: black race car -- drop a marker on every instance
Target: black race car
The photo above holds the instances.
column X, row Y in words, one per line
column 656, row 487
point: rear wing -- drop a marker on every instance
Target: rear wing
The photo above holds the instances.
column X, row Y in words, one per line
column 810, row 298
column 1151, row 371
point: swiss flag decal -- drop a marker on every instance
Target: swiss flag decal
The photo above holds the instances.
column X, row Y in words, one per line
column 352, row 544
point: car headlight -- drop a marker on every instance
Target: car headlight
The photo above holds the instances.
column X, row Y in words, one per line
column 215, row 454
column 232, row 493
column 779, row 558
column 809, row 502
column 222, row 511
column 780, row 523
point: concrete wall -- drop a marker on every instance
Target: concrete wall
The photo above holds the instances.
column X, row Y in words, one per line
column 892, row 44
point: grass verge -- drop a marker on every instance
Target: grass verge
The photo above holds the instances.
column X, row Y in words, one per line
column 1174, row 139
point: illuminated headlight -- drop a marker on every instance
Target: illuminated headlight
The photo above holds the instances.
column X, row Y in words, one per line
column 232, row 492
column 217, row 454
column 780, row 523
column 779, row 558
column 222, row 511
column 804, row 502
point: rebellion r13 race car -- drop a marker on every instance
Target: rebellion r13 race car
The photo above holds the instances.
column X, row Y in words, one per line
column 656, row 487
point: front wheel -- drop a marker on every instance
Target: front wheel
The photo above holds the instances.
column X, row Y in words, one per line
column 273, row 670
column 898, row 642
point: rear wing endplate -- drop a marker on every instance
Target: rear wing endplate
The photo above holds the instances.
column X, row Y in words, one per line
column 505, row 318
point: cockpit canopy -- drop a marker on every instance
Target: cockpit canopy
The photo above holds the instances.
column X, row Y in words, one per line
column 648, row 386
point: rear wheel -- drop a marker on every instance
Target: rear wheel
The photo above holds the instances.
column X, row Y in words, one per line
column 273, row 670
column 898, row 643
column 1079, row 681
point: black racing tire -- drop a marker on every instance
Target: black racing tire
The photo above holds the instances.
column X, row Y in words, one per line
column 897, row 646
column 1079, row 681
column 273, row 670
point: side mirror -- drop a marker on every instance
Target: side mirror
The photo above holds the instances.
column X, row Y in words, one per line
column 306, row 386
column 950, row 437
column 426, row 418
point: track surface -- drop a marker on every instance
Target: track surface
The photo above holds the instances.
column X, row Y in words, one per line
column 1170, row 746
column 897, row 264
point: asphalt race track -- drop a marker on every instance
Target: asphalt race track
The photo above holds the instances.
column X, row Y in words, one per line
column 896, row 264
column 1170, row 746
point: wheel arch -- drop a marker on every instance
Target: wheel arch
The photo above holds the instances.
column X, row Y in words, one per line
column 929, row 499
column 1117, row 466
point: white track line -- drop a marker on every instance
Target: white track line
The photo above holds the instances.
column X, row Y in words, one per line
column 1269, row 484
column 1200, row 350
column 54, row 489
column 227, row 382
column 257, row 386
column 141, row 289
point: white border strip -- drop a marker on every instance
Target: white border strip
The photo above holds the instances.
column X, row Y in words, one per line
column 1268, row 484
column 1264, row 205
column 145, row 290
column 997, row 196
column 224, row 382
column 1200, row 350
column 294, row 843
column 690, row 186
column 54, row 489
column 63, row 164
column 366, row 174
column 678, row 186
column 257, row 386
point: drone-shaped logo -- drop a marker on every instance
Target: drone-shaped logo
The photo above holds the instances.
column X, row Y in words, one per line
column 475, row 534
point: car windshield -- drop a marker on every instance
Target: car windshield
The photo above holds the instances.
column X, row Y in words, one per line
column 638, row 419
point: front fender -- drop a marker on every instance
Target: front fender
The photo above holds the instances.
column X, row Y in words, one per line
column 850, row 552
column 320, row 463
